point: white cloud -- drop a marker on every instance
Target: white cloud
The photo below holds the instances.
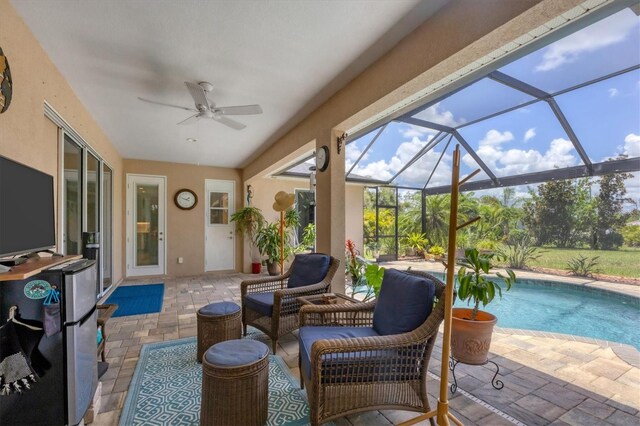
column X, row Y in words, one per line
column 496, row 138
column 597, row 36
column 613, row 92
column 352, row 152
column 529, row 134
column 410, row 131
column 418, row 173
column 517, row 161
column 632, row 145
column 436, row 114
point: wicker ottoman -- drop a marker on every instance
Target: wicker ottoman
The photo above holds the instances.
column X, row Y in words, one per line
column 235, row 384
column 217, row 322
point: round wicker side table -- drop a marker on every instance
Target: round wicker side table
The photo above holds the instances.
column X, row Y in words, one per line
column 235, row 384
column 217, row 322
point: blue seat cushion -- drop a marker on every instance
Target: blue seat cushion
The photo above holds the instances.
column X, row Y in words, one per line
column 219, row 308
column 404, row 303
column 260, row 302
column 308, row 335
column 234, row 353
column 308, row 269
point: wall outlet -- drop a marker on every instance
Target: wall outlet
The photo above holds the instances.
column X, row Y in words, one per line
column 180, row 260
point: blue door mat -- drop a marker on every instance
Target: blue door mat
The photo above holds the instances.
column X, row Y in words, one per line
column 137, row 299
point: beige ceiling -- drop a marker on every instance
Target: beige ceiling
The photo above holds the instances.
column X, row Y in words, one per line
column 287, row 56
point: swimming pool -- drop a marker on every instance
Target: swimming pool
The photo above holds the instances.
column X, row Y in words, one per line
column 565, row 308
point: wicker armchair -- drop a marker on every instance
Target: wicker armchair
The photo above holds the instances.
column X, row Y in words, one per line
column 366, row 372
column 284, row 308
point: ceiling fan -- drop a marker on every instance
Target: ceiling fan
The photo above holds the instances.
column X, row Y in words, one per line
column 205, row 108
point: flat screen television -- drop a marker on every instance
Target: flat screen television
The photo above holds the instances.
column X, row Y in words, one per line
column 27, row 221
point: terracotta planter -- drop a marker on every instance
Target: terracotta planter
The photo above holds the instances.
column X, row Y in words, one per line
column 256, row 267
column 273, row 268
column 471, row 340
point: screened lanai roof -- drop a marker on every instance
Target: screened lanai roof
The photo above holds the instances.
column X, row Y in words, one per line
column 569, row 109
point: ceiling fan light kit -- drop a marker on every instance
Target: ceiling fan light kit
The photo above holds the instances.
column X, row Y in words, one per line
column 205, row 108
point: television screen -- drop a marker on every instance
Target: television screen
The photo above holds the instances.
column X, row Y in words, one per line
column 26, row 209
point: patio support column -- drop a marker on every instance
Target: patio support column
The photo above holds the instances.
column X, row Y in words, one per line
column 330, row 206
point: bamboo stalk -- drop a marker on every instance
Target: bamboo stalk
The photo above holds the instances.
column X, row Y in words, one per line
column 282, row 246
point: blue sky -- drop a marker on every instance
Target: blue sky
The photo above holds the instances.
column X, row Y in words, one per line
column 605, row 116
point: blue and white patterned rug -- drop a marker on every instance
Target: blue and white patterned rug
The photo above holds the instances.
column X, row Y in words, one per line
column 166, row 388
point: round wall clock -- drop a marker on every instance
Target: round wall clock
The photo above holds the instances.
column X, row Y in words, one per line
column 185, row 199
column 322, row 158
column 6, row 86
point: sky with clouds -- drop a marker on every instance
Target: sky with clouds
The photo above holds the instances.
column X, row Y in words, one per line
column 605, row 116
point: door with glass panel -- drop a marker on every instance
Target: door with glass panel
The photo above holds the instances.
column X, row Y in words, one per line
column 219, row 230
column 145, row 225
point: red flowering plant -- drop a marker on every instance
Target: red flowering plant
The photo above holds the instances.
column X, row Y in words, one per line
column 355, row 268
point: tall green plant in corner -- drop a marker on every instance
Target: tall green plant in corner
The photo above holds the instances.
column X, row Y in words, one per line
column 474, row 286
column 249, row 221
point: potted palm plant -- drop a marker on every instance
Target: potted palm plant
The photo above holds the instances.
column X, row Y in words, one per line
column 268, row 242
column 249, row 220
column 417, row 242
column 471, row 327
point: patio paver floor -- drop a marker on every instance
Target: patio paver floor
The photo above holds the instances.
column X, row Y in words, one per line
column 548, row 380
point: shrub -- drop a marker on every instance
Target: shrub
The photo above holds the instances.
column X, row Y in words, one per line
column 487, row 245
column 583, row 266
column 518, row 251
column 611, row 240
column 436, row 251
column 631, row 235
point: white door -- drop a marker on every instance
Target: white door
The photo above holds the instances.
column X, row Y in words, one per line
column 219, row 231
column 146, row 236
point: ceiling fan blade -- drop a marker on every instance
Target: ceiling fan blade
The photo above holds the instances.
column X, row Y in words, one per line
column 229, row 122
column 169, row 105
column 240, row 110
column 191, row 119
column 197, row 93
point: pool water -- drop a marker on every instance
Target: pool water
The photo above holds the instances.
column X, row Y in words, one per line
column 568, row 309
column 563, row 308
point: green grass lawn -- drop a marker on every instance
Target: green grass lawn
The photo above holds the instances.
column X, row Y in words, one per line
column 624, row 262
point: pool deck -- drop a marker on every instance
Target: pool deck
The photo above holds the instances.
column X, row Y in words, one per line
column 549, row 379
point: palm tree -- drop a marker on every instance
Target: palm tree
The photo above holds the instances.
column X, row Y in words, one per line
column 437, row 218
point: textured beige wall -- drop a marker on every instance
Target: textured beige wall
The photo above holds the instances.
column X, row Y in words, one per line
column 354, row 210
column 26, row 135
column 185, row 228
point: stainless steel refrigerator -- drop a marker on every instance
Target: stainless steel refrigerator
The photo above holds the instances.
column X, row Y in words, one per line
column 65, row 362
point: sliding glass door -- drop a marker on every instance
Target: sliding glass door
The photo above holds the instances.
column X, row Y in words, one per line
column 107, row 226
column 72, row 191
column 87, row 206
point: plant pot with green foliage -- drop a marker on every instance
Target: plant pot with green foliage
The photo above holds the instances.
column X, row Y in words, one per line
column 268, row 242
column 472, row 328
column 435, row 253
column 249, row 220
column 417, row 243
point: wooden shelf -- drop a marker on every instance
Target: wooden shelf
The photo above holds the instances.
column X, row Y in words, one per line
column 34, row 266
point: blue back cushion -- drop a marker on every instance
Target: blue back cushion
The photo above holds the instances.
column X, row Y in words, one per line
column 404, row 303
column 308, row 269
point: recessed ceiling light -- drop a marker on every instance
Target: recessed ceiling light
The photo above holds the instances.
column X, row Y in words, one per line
column 192, row 140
